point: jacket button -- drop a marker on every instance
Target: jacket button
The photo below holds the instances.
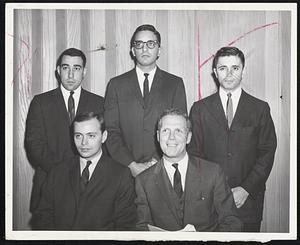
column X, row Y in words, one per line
column 229, row 154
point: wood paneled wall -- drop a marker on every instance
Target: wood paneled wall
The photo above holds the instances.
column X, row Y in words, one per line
column 189, row 39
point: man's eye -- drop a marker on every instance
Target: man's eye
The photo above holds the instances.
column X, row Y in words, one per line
column 77, row 68
column 64, row 68
column 77, row 136
column 92, row 136
column 236, row 68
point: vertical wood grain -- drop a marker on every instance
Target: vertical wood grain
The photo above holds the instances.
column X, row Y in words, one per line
column 22, row 170
column 73, row 28
column 162, row 27
column 111, row 44
column 98, row 50
column 48, row 50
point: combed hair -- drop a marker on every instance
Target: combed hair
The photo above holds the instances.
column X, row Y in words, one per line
column 228, row 51
column 145, row 27
column 82, row 117
column 174, row 112
column 72, row 52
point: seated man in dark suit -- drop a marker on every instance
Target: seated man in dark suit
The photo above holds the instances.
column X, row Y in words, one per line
column 90, row 191
column 181, row 189
column 47, row 137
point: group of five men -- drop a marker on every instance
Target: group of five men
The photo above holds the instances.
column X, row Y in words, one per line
column 146, row 174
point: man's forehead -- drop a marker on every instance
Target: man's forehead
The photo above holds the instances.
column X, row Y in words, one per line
column 231, row 59
column 145, row 34
column 92, row 125
column 173, row 120
column 75, row 60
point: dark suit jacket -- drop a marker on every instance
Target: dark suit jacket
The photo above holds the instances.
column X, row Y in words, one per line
column 208, row 203
column 131, row 124
column 245, row 151
column 106, row 204
column 47, row 135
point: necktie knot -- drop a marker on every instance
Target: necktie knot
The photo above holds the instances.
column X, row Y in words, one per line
column 85, row 177
column 71, row 93
column 88, row 163
column 175, row 165
column 229, row 95
column 146, row 75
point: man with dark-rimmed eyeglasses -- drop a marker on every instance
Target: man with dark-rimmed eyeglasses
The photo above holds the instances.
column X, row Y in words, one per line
column 135, row 100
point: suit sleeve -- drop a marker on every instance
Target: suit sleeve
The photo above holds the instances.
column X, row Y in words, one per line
column 125, row 209
column 143, row 211
column 266, row 148
column 179, row 100
column 223, row 201
column 115, row 142
column 36, row 139
column 44, row 215
column 195, row 147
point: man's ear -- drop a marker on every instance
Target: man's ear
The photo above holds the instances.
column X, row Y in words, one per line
column 84, row 71
column 132, row 51
column 189, row 137
column 58, row 70
column 104, row 136
column 157, row 135
column 215, row 72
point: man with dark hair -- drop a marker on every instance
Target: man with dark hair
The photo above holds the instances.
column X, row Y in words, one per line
column 181, row 189
column 235, row 130
column 134, row 101
column 47, row 136
column 90, row 191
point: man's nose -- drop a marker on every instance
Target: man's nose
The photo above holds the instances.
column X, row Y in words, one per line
column 84, row 140
column 172, row 135
column 145, row 47
column 71, row 73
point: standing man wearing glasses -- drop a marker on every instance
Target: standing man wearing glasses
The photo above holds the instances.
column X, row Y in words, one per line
column 135, row 100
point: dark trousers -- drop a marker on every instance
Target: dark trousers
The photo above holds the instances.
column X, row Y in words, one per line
column 251, row 227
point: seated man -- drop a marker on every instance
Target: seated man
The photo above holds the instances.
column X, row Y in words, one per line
column 90, row 191
column 181, row 189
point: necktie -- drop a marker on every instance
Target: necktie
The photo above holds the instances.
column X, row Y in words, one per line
column 84, row 179
column 71, row 106
column 177, row 181
column 146, row 87
column 229, row 110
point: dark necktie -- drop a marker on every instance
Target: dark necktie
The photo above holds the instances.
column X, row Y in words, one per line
column 84, row 179
column 229, row 110
column 146, row 87
column 177, row 181
column 71, row 106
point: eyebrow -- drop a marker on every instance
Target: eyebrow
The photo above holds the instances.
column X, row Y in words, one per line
column 69, row 65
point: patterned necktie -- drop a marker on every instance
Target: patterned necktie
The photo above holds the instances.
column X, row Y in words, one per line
column 84, row 179
column 177, row 181
column 229, row 110
column 71, row 106
column 146, row 87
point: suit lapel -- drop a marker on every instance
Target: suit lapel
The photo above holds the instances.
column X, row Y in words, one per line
column 155, row 87
column 216, row 109
column 192, row 181
column 98, row 176
column 60, row 105
column 74, row 174
column 83, row 102
column 164, row 186
column 241, row 111
column 134, row 83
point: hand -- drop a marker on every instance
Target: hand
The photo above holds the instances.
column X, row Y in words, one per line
column 137, row 168
column 151, row 162
column 240, row 195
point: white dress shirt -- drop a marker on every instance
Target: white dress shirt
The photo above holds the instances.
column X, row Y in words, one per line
column 141, row 78
column 235, row 96
column 182, row 168
column 92, row 166
column 76, row 96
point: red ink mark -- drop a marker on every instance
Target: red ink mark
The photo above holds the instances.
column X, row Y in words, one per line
column 198, row 62
column 239, row 38
column 21, row 40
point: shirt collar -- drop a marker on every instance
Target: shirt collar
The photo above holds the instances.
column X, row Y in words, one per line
column 65, row 92
column 141, row 77
column 92, row 166
column 182, row 164
column 235, row 94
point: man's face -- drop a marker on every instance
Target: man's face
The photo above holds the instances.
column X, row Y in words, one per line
column 173, row 137
column 146, row 57
column 88, row 138
column 71, row 72
column 229, row 71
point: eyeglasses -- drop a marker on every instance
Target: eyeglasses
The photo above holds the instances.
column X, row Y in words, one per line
column 140, row 44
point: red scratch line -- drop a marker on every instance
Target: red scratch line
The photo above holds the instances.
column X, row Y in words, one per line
column 21, row 40
column 240, row 37
column 198, row 62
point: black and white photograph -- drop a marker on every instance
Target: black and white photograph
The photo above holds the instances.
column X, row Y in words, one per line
column 147, row 121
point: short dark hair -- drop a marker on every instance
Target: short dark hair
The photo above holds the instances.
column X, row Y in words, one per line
column 174, row 112
column 82, row 117
column 228, row 51
column 72, row 52
column 145, row 27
